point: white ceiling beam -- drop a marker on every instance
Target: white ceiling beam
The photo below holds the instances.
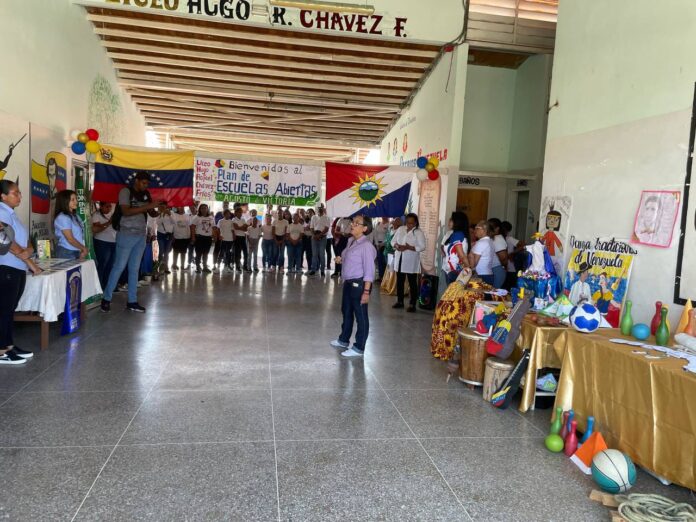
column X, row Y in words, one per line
column 271, row 139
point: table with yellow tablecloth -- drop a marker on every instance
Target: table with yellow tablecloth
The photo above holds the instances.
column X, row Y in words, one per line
column 539, row 340
column 643, row 407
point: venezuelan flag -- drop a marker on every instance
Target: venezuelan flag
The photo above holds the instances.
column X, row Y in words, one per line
column 171, row 174
column 40, row 189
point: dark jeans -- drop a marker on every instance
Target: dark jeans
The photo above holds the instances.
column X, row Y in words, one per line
column 487, row 279
column 412, row 287
column 216, row 252
column 307, row 250
column 381, row 262
column 510, row 280
column 452, row 276
column 105, row 253
column 329, row 246
column 353, row 310
column 240, row 247
column 225, row 253
column 295, row 256
column 12, row 283
column 66, row 253
column 339, row 247
column 164, row 242
column 202, row 246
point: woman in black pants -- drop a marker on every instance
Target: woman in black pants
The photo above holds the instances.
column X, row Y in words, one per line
column 15, row 254
column 202, row 237
column 408, row 243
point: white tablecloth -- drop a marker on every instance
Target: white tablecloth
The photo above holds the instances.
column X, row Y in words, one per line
column 45, row 293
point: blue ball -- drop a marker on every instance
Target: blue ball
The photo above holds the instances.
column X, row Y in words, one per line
column 422, row 162
column 613, row 471
column 640, row 331
column 585, row 318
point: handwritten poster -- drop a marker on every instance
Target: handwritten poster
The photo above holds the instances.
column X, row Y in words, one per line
column 429, row 218
column 256, row 182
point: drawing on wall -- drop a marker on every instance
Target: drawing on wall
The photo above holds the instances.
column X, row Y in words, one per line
column 105, row 111
column 555, row 219
column 14, row 157
column 685, row 281
column 655, row 218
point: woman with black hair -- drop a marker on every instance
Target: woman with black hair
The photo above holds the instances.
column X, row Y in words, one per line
column 68, row 227
column 500, row 260
column 456, row 247
column 408, row 242
column 15, row 258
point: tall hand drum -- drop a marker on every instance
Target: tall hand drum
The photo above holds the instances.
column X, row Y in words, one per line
column 472, row 366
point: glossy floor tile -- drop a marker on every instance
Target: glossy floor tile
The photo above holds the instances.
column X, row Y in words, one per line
column 225, row 402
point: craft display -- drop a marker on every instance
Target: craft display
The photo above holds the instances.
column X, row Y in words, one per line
column 506, row 332
column 559, row 309
column 627, row 319
column 540, row 277
column 613, row 471
column 585, row 318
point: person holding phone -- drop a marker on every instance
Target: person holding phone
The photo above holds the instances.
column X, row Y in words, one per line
column 134, row 205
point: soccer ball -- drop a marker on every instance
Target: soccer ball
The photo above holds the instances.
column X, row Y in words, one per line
column 585, row 318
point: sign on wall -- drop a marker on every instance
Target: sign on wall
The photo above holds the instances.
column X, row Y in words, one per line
column 14, row 157
column 555, row 219
column 256, row 182
column 429, row 218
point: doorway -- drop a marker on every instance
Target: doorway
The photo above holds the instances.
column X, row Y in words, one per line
column 473, row 202
column 521, row 214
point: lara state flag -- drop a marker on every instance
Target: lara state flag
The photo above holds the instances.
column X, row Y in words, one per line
column 375, row 191
column 171, row 174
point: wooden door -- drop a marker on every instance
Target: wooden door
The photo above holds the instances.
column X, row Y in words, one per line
column 473, row 202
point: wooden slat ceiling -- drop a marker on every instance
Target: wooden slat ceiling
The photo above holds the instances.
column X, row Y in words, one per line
column 527, row 26
column 239, row 89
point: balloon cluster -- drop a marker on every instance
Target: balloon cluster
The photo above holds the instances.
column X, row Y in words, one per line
column 86, row 142
column 427, row 168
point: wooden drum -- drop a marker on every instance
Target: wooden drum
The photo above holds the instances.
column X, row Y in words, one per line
column 497, row 370
column 472, row 364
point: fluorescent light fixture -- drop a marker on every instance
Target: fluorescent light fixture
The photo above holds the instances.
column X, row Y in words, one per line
column 333, row 7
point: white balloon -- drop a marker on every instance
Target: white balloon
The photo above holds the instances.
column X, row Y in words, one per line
column 422, row 174
column 74, row 133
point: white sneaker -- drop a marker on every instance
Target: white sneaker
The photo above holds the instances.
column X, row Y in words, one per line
column 339, row 344
column 351, row 353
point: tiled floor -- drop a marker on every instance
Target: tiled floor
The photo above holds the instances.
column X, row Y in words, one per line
column 225, row 402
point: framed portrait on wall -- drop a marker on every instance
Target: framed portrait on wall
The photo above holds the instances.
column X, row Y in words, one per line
column 655, row 218
column 685, row 281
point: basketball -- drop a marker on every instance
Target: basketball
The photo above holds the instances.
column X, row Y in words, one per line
column 613, row 471
column 585, row 318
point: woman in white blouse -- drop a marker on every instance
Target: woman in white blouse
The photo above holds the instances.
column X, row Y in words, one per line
column 482, row 253
column 408, row 243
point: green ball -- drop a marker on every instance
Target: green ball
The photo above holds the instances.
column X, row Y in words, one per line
column 554, row 443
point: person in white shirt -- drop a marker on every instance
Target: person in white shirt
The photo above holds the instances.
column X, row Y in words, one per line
column 341, row 233
column 482, row 253
column 268, row 245
column 379, row 235
column 240, row 242
column 226, row 230
column 165, row 236
column 182, row 236
column 293, row 240
column 280, row 230
column 500, row 260
column 408, row 242
column 253, row 236
column 202, row 236
column 320, row 227
column 104, row 240
column 514, row 246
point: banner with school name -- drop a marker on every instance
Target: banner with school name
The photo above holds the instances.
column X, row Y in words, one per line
column 256, row 182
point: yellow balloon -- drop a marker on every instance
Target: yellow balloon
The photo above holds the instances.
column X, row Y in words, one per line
column 430, row 167
column 82, row 137
column 434, row 161
column 92, row 146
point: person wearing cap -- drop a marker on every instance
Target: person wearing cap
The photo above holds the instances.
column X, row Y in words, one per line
column 358, row 270
column 135, row 203
column 581, row 292
column 15, row 259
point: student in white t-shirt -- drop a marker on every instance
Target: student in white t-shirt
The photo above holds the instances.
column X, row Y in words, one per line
column 481, row 254
column 104, row 240
column 182, row 236
column 514, row 246
column 268, row 243
column 253, row 235
column 202, row 236
column 226, row 239
column 293, row 240
column 280, row 229
column 240, row 241
column 500, row 260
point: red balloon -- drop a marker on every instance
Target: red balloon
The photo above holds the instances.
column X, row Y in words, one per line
column 93, row 134
column 433, row 174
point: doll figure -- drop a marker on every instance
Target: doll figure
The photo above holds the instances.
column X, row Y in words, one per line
column 553, row 225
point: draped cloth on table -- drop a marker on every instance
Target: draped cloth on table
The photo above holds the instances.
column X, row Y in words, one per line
column 454, row 312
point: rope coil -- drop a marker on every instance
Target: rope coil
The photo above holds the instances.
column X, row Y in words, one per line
column 638, row 507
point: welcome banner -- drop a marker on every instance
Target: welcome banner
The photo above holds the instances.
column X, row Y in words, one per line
column 256, row 182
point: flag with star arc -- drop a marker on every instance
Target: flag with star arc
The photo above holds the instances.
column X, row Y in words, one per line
column 171, row 174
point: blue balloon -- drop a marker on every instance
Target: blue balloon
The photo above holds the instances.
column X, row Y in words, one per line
column 422, row 162
column 78, row 148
